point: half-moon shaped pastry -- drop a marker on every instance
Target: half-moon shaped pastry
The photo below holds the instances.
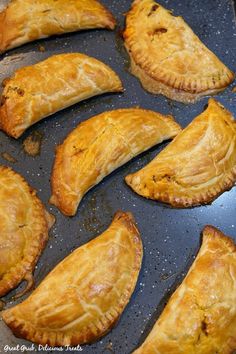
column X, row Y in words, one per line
column 24, row 226
column 200, row 317
column 24, row 21
column 37, row 91
column 197, row 166
column 168, row 57
column 100, row 145
column 85, row 294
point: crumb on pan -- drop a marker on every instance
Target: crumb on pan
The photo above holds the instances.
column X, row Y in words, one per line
column 41, row 48
column 32, row 144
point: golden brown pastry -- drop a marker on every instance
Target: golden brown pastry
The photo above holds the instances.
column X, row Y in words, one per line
column 24, row 21
column 84, row 295
column 200, row 317
column 197, row 166
column 100, row 145
column 168, row 57
column 37, row 91
column 24, row 226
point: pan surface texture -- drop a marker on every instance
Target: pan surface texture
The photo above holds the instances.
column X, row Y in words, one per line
column 171, row 237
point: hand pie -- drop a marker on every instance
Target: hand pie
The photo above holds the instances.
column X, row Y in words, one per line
column 197, row 166
column 168, row 57
column 31, row 95
column 100, row 145
column 200, row 317
column 84, row 295
column 24, row 226
column 24, row 21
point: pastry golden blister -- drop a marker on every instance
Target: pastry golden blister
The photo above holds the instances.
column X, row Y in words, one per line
column 100, row 145
column 24, row 226
column 200, row 317
column 84, row 295
column 24, row 21
column 197, row 166
column 168, row 57
column 37, row 91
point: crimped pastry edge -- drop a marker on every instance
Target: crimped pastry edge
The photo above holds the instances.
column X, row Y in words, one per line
column 162, row 81
column 24, row 270
column 208, row 234
column 199, row 199
column 157, row 87
column 104, row 325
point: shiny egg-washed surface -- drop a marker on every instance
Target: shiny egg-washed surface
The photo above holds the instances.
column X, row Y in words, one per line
column 170, row 236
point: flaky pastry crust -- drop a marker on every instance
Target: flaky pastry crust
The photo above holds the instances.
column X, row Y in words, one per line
column 200, row 317
column 24, row 226
column 37, row 91
column 197, row 166
column 100, row 145
column 85, row 294
column 168, row 57
column 24, row 21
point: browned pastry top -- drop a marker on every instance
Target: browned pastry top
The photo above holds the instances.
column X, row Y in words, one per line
column 197, row 166
column 85, row 294
column 37, row 91
column 168, row 57
column 200, row 317
column 24, row 226
column 24, row 21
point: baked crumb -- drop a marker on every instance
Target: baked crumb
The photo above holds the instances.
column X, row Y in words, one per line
column 32, row 144
column 109, row 347
column 41, row 48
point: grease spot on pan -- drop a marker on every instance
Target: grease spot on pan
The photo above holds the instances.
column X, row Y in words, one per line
column 8, row 157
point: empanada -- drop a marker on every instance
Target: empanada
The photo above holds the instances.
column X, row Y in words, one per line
column 24, row 21
column 24, row 226
column 168, row 57
column 197, row 166
column 84, row 295
column 100, row 145
column 200, row 317
column 37, row 91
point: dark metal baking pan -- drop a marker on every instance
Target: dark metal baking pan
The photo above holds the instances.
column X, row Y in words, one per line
column 171, row 237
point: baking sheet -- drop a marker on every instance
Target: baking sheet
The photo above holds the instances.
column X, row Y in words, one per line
column 171, row 237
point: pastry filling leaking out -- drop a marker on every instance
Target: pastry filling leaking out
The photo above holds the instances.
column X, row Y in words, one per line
column 18, row 90
column 21, row 226
column 153, row 9
column 3, row 100
column 158, row 31
column 165, row 178
column 204, row 327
